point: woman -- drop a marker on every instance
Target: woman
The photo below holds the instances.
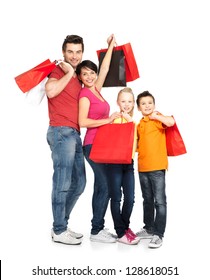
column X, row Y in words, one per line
column 94, row 112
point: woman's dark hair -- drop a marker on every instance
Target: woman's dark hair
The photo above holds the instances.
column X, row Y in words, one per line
column 86, row 64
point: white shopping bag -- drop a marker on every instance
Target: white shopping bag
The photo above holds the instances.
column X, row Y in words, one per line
column 35, row 95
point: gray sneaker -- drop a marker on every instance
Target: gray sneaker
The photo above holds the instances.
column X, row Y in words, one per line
column 103, row 236
column 143, row 234
column 66, row 238
column 156, row 242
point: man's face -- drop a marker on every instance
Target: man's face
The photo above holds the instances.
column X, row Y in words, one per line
column 73, row 54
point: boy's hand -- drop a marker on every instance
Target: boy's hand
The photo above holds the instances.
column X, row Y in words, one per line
column 154, row 115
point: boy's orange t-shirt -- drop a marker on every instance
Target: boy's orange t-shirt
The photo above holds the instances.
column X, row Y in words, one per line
column 151, row 145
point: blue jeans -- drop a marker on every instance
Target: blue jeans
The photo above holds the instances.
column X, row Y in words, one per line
column 69, row 176
column 100, row 198
column 154, row 201
column 121, row 179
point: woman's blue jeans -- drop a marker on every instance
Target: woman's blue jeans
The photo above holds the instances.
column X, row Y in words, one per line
column 121, row 181
column 100, row 198
column 69, row 176
column 154, row 201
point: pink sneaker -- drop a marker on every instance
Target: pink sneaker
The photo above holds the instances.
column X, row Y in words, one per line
column 131, row 233
column 128, row 239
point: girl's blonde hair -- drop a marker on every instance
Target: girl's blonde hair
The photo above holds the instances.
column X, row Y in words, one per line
column 129, row 90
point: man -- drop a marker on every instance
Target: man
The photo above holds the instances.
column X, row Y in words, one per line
column 63, row 136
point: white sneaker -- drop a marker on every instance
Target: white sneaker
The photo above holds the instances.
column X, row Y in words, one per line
column 143, row 234
column 72, row 233
column 156, row 242
column 75, row 234
column 66, row 238
column 103, row 236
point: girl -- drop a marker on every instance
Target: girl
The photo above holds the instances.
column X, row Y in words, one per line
column 121, row 178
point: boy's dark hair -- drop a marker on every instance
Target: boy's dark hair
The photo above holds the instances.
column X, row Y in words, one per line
column 73, row 39
column 86, row 64
column 144, row 94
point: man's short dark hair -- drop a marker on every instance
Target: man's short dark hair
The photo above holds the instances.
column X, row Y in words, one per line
column 73, row 39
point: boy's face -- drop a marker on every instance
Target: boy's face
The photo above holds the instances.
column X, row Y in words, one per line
column 146, row 105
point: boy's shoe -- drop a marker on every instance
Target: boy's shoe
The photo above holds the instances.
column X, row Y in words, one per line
column 143, row 234
column 156, row 242
column 103, row 236
column 66, row 238
column 128, row 239
column 72, row 233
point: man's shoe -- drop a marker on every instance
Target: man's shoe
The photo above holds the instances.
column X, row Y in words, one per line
column 103, row 236
column 128, row 239
column 72, row 233
column 65, row 238
column 156, row 242
column 75, row 234
column 143, row 234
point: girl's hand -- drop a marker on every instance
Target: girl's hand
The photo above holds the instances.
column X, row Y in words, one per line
column 127, row 117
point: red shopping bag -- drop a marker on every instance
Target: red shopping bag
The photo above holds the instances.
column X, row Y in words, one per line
column 131, row 69
column 174, row 142
column 34, row 76
column 113, row 143
column 132, row 72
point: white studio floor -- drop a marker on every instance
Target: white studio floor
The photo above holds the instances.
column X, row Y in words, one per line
column 27, row 246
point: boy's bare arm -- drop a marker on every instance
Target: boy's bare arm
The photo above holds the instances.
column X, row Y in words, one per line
column 166, row 120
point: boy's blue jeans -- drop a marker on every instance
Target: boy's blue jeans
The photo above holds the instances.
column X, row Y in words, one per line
column 100, row 197
column 121, row 182
column 69, row 176
column 154, row 201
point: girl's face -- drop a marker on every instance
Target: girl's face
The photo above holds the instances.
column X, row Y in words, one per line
column 88, row 77
column 146, row 105
column 126, row 102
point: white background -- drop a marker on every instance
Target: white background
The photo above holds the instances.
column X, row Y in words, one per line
column 170, row 40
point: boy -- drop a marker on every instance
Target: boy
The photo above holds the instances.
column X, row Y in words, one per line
column 152, row 164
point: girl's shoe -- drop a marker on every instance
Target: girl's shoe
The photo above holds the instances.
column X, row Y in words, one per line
column 128, row 239
column 131, row 233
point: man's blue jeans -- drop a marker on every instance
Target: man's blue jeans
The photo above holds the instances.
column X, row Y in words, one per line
column 69, row 176
column 154, row 201
column 100, row 197
column 121, row 181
